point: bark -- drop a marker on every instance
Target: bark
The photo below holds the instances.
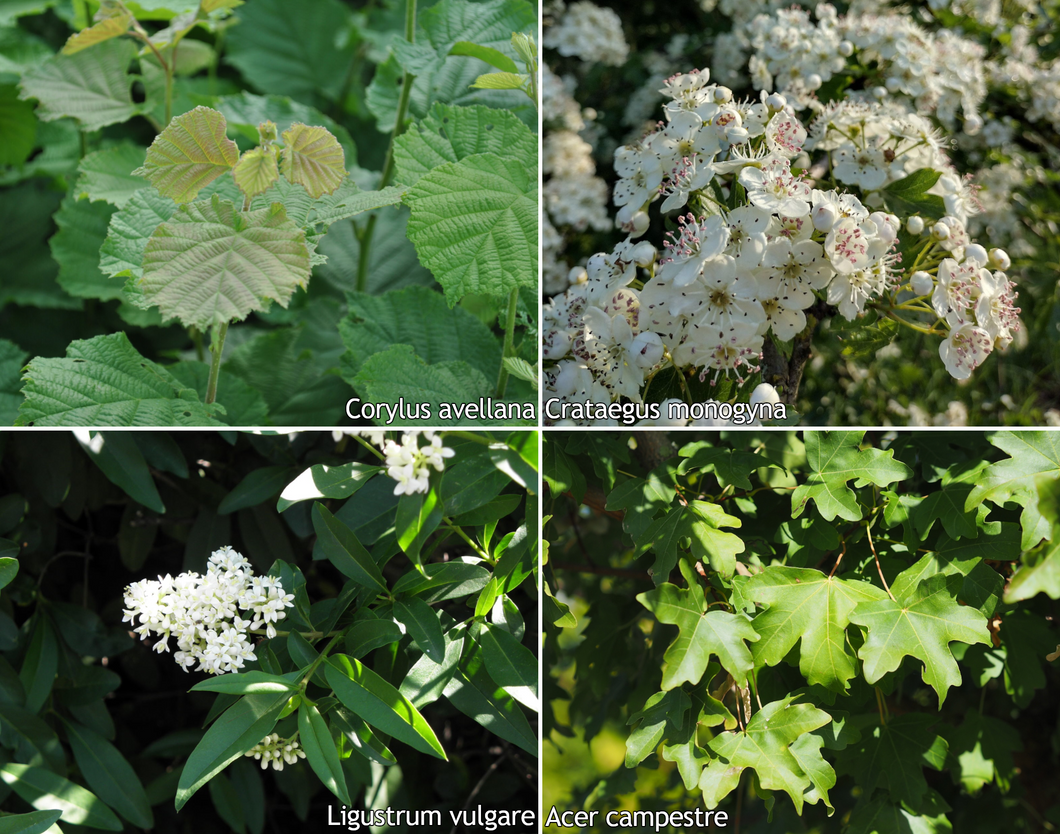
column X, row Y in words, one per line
column 786, row 374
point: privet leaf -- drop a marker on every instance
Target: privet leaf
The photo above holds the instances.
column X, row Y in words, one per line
column 256, row 171
column 313, row 158
column 189, row 154
column 212, row 264
column 474, row 225
column 110, row 775
column 320, row 751
column 93, row 86
column 45, row 790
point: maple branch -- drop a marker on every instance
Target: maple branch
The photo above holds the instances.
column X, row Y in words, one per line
column 876, row 556
column 842, row 553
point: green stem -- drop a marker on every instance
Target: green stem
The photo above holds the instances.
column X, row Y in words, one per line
column 388, row 164
column 196, row 338
column 217, row 346
column 509, row 341
column 470, row 543
column 467, row 435
column 320, row 659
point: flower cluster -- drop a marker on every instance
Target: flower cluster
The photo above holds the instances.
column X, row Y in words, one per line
column 277, row 750
column 407, row 462
column 759, row 241
column 589, row 32
column 209, row 615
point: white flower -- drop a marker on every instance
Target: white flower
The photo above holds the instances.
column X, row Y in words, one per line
column 863, row 167
column 964, row 350
column 772, row 187
column 410, row 465
column 277, row 750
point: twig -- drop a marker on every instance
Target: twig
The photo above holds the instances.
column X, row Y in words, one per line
column 474, row 792
column 876, row 556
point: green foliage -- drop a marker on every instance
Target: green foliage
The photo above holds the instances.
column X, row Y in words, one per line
column 381, row 671
column 890, row 611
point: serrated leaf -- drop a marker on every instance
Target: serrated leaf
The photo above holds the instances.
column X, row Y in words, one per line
column 189, row 154
column 130, row 229
column 491, row 56
column 703, row 633
column 12, row 358
column 920, row 624
column 909, row 196
column 104, row 381
column 501, row 81
column 110, row 27
column 312, row 158
column 450, row 134
column 1040, row 577
column 521, row 369
column 108, row 174
column 45, row 790
column 766, row 747
column 808, row 606
column 75, row 247
column 211, row 264
column 93, row 86
column 256, row 171
column 835, row 458
column 474, row 225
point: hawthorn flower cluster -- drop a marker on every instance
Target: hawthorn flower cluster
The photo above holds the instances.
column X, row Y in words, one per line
column 276, row 750
column 759, row 242
column 587, row 31
column 210, row 615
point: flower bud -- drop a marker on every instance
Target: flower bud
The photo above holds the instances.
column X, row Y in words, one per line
column 999, row 258
column 737, row 135
column 921, row 282
column 776, row 101
column 765, row 393
column 643, row 253
column 813, row 82
column 915, row 225
column 722, row 95
column 940, row 231
column 825, row 216
column 577, row 275
column 879, row 93
column 975, row 252
column 846, row 49
column 893, row 84
column 973, row 124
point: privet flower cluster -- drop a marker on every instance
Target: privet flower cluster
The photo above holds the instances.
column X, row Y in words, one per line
column 763, row 232
column 408, row 462
column 276, row 750
column 209, row 615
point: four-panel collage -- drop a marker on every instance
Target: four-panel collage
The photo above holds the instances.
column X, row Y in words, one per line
column 516, row 416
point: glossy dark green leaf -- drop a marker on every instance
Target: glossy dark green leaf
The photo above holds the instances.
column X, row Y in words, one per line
column 40, row 664
column 426, row 681
column 343, row 550
column 441, row 581
column 32, row 739
column 422, row 623
column 110, row 775
column 120, row 459
column 8, row 568
column 369, row 634
column 510, row 664
column 418, row 515
column 34, row 822
column 226, row 802
column 245, row 683
column 491, row 511
column 362, row 739
column 45, row 790
column 470, row 484
column 322, row 481
column 320, row 751
column 136, row 536
column 259, row 485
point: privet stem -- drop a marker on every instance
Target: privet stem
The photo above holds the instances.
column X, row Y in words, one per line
column 388, row 164
column 509, row 341
column 217, row 346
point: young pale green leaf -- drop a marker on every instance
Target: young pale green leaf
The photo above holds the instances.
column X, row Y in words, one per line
column 521, row 369
column 211, row 263
column 35, row 822
column 380, row 704
column 40, row 664
column 422, row 623
column 474, row 225
column 488, row 54
column 238, row 729
column 1038, row 577
column 702, row 633
column 501, row 81
column 323, row 481
column 320, row 751
column 836, row 458
column 803, row 604
column 313, row 158
column 45, row 790
column 120, row 459
column 114, row 26
column 110, row 775
column 450, row 134
column 245, row 683
column 256, row 171
column 343, row 550
column 766, row 746
column 189, row 154
column 8, row 570
column 418, row 516
column 93, row 86
column 920, row 624
column 511, row 665
column 108, row 174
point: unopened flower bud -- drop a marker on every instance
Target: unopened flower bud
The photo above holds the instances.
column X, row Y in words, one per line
column 879, row 93
column 999, row 258
column 973, row 124
column 975, row 252
column 814, row 81
column 776, row 101
column 722, row 95
column 915, row 225
column 765, row 393
column 921, row 282
column 737, row 135
column 846, row 49
column 577, row 275
column 643, row 253
column 940, row 231
column 824, row 217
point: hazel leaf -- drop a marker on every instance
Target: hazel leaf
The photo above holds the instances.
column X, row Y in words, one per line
column 189, row 154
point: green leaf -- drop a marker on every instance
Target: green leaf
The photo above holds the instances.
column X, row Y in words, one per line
column 416, row 316
column 370, row 634
column 312, row 158
column 511, row 665
column 12, row 358
column 446, row 580
column 639, row 499
column 110, row 775
column 768, row 746
column 1039, row 577
column 293, row 55
column 239, row 728
column 75, row 247
column 226, row 802
column 113, row 26
column 8, row 570
column 362, row 738
column 256, row 171
column 835, row 458
column 380, row 704
column 883, row 817
column 521, row 369
column 472, row 691
column 981, row 752
column 245, row 683
column 920, row 624
column 397, row 373
column 702, row 633
column 189, row 154
column 474, row 225
column 501, row 81
column 258, row 486
column 469, row 484
column 122, row 253
column 18, row 127
column 485, row 53
column 320, row 751
column 211, row 264
column 244, row 406
column 323, row 481
column 35, row 822
column 909, row 196
column 93, row 86
column 947, row 505
column 45, row 790
column 343, row 550
column 661, row 710
column 423, row 626
column 426, row 680
column 29, row 736
column 418, row 516
column 107, row 174
column 40, row 663
column 729, row 466
column 808, row 606
column 450, row 134
column 120, row 459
